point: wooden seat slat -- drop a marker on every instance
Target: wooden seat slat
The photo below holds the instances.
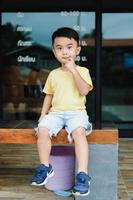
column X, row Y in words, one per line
column 27, row 136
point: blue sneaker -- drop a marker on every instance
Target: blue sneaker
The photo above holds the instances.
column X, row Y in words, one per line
column 43, row 173
column 82, row 186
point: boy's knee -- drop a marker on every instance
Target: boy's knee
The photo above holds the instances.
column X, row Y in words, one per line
column 78, row 132
column 43, row 132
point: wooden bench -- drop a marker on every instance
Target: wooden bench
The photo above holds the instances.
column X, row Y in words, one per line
column 27, row 136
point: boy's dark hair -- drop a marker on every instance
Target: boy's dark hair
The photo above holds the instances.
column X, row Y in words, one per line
column 65, row 32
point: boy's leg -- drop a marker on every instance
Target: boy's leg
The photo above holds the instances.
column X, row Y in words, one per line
column 81, row 149
column 50, row 125
column 44, row 146
column 82, row 185
column 44, row 171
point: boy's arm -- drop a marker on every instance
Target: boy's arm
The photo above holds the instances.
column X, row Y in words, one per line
column 82, row 85
column 46, row 105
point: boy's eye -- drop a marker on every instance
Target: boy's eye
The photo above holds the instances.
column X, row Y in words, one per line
column 69, row 47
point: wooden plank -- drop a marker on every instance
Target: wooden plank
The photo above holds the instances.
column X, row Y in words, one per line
column 27, row 136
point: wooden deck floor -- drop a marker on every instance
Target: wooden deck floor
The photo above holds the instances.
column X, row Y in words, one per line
column 17, row 163
column 125, row 180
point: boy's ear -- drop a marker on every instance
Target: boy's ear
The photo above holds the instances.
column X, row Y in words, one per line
column 53, row 51
column 78, row 50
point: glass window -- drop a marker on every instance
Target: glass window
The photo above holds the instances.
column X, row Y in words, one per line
column 27, row 58
column 117, row 69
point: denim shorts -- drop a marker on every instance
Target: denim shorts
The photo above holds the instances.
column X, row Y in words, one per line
column 70, row 120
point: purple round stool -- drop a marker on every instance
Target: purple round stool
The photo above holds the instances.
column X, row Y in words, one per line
column 62, row 159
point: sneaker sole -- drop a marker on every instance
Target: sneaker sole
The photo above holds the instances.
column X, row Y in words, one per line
column 45, row 181
column 81, row 194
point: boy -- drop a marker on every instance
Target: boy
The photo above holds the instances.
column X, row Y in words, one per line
column 64, row 106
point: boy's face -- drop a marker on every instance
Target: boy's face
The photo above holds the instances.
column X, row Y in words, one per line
column 65, row 48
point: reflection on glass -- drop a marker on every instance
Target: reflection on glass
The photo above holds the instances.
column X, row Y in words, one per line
column 117, row 68
column 27, row 57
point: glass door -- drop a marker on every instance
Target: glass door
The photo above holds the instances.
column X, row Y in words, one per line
column 117, row 69
column 27, row 58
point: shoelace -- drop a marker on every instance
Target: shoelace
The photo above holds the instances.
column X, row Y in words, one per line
column 39, row 173
column 81, row 179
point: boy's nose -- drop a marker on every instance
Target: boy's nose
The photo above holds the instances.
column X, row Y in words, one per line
column 65, row 51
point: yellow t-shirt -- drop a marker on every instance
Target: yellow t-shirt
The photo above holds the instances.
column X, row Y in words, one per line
column 66, row 96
